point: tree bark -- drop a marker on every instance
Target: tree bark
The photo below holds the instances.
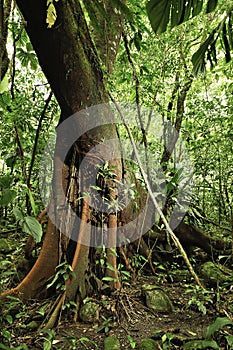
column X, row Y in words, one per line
column 5, row 9
column 70, row 62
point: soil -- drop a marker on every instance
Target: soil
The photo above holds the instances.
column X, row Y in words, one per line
column 137, row 322
column 125, row 315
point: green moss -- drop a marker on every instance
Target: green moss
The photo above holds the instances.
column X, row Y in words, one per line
column 148, row 344
column 111, row 343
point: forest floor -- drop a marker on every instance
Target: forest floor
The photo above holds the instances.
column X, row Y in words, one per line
column 125, row 315
column 137, row 322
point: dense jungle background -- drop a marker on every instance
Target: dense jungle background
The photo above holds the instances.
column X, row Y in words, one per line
column 167, row 62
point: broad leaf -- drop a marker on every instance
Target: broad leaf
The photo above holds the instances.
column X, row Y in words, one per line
column 229, row 339
column 159, row 14
column 32, row 227
column 18, row 214
column 211, row 5
column 6, row 181
column 174, row 12
column 226, row 43
column 208, row 49
column 201, row 344
column 218, row 324
column 4, row 84
column 7, row 196
column 199, row 58
column 32, row 202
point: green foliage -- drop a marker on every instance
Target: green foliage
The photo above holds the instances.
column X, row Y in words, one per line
column 124, row 275
column 7, row 196
column 208, row 49
column 200, row 298
column 82, row 343
column 27, row 56
column 47, row 338
column 138, row 261
column 175, row 12
column 29, row 225
column 206, row 126
column 201, row 344
column 98, row 13
column 20, row 347
column 131, row 342
column 12, row 310
column 213, row 340
column 63, row 273
column 218, row 325
column 106, row 325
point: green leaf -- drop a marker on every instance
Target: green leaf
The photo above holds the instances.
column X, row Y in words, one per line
column 197, row 7
column 7, row 196
column 110, row 267
column 198, row 58
column 47, row 345
column 4, row 84
column 211, row 5
column 33, row 62
column 9, row 319
column 226, row 43
column 201, row 344
column 5, row 100
column 159, row 12
column 18, row 214
column 32, row 202
column 4, row 347
column 109, row 279
column 229, row 339
column 218, row 324
column 32, row 227
column 175, row 12
column 6, row 181
column 56, row 277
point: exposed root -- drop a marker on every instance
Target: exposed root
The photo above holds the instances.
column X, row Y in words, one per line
column 111, row 270
column 34, row 284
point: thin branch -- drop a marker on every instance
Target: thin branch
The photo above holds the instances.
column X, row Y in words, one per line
column 42, row 116
column 21, row 154
column 137, row 84
column 156, row 205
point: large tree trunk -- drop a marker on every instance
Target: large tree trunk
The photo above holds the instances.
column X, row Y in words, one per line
column 5, row 8
column 70, row 62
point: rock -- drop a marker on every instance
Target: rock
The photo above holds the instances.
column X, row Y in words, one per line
column 148, row 344
column 111, row 343
column 89, row 312
column 216, row 273
column 156, row 298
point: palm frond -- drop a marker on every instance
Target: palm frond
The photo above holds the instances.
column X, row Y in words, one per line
column 174, row 12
